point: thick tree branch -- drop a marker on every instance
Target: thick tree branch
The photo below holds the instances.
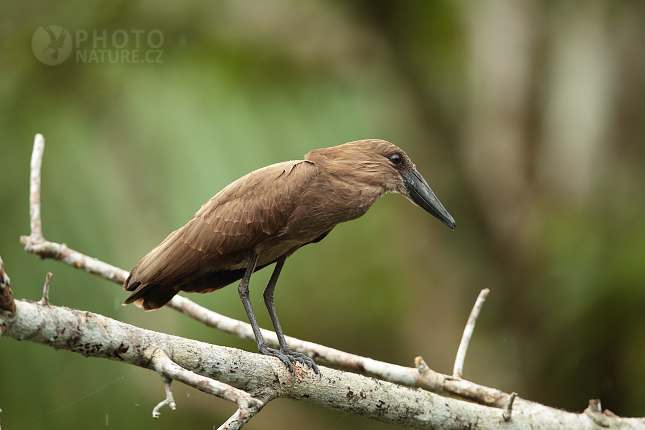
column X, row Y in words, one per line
column 94, row 335
column 263, row 377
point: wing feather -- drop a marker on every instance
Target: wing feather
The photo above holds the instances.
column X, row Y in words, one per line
column 245, row 213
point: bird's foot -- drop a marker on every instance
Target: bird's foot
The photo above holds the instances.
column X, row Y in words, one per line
column 302, row 358
column 289, row 357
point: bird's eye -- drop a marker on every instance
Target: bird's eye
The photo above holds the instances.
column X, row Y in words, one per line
column 396, row 158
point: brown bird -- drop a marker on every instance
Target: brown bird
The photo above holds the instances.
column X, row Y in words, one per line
column 265, row 216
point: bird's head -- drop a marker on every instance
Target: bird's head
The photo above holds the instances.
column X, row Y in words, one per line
column 379, row 164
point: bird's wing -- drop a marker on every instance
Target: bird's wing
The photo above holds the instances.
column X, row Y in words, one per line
column 60, row 40
column 227, row 226
column 52, row 36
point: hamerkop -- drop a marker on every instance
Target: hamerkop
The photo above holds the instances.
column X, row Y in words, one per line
column 265, row 216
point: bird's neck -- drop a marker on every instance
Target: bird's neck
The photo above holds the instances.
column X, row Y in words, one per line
column 335, row 195
column 349, row 191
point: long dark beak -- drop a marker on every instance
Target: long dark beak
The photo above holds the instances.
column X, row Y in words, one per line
column 422, row 195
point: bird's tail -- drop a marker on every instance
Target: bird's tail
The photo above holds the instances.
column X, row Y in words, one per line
column 147, row 296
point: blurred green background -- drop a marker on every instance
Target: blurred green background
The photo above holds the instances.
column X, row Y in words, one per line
column 527, row 118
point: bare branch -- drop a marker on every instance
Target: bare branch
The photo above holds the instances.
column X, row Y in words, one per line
column 171, row 371
column 169, row 400
column 56, row 251
column 34, row 186
column 95, row 335
column 594, row 412
column 509, row 407
column 468, row 332
column 430, row 380
column 264, row 377
column 421, row 365
column 238, row 419
column 45, row 300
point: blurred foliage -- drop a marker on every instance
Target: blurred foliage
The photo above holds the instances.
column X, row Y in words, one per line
column 526, row 117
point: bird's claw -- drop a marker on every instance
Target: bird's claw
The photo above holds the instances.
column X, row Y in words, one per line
column 289, row 357
column 281, row 356
column 302, row 358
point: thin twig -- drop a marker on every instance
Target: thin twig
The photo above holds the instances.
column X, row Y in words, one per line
column 594, row 412
column 169, row 400
column 239, row 418
column 34, row 186
column 468, row 332
column 421, row 365
column 509, row 407
column 45, row 300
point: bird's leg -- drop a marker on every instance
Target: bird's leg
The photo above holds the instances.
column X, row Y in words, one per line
column 243, row 289
column 268, row 301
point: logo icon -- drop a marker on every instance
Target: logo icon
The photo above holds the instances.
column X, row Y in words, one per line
column 51, row 45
